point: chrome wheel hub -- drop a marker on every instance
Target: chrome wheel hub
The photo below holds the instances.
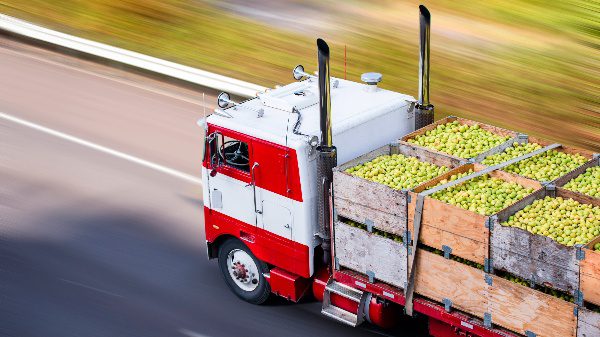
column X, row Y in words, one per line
column 242, row 270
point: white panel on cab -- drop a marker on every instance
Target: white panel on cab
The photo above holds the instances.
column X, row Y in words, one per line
column 277, row 219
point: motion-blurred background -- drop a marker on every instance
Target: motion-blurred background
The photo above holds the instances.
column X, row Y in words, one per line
column 94, row 244
column 528, row 65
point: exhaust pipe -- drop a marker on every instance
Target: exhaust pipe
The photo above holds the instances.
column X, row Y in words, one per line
column 424, row 112
column 326, row 152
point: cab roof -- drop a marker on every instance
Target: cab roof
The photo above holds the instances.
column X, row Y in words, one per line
column 271, row 115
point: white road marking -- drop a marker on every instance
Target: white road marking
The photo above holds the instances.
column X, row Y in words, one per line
column 190, row 333
column 119, row 154
column 90, row 287
column 124, row 82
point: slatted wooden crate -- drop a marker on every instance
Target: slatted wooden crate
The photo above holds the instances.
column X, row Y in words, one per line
column 367, row 201
column 465, row 232
column 563, row 148
column 562, row 181
column 444, row 280
column 523, row 309
column 539, row 258
column 506, row 304
column 370, row 254
column 493, row 129
column 589, row 270
column 588, row 323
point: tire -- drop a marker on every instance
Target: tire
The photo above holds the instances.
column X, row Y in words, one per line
column 243, row 272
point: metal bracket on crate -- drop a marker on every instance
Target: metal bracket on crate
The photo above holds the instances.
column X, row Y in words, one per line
column 532, row 281
column 550, row 188
column 576, row 311
column 447, row 251
column 579, row 253
column 408, row 197
column 336, row 263
column 489, row 222
column 522, row 138
column 578, row 297
column 488, row 279
column 596, row 156
column 487, row 265
column 371, row 275
column 406, row 238
column 447, row 304
column 487, row 320
column 530, row 334
column 370, row 225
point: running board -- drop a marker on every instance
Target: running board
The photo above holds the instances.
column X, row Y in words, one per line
column 339, row 314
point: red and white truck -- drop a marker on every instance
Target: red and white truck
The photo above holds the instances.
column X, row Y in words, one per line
column 275, row 201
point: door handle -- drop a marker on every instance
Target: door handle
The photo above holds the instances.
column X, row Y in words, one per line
column 287, row 225
column 253, row 183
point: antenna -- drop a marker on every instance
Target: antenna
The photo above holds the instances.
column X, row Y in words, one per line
column 344, row 61
column 204, row 112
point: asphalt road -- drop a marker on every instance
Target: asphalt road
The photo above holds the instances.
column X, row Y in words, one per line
column 92, row 244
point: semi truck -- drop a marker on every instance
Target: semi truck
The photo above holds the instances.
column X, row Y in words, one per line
column 284, row 214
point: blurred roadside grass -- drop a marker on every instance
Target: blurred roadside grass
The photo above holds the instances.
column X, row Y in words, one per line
column 532, row 66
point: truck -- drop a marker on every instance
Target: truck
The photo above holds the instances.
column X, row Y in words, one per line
column 284, row 214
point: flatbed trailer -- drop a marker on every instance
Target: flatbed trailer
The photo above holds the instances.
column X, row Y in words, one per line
column 284, row 214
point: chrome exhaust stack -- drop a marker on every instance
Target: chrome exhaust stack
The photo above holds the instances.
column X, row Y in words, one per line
column 424, row 112
column 326, row 153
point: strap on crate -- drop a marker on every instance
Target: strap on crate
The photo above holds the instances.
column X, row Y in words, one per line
column 410, row 287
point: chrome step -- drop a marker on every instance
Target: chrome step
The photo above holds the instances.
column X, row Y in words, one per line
column 339, row 314
column 344, row 291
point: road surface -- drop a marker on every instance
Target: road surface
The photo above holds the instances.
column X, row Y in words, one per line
column 99, row 233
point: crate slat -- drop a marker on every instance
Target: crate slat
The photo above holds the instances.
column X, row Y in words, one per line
column 438, row 278
column 522, row 309
column 588, row 323
column 362, row 251
column 590, row 274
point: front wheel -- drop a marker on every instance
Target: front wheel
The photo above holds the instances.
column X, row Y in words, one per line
column 243, row 272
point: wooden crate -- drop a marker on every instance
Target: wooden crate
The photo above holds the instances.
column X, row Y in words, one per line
column 588, row 323
column 509, row 305
column 438, row 278
column 493, row 129
column 565, row 149
column 368, row 253
column 365, row 201
column 590, row 273
column 535, row 257
column 562, row 181
column 522, row 309
column 463, row 231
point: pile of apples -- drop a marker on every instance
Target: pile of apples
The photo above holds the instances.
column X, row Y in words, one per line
column 546, row 166
column 484, row 194
column 397, row 171
column 586, row 183
column 459, row 140
column 566, row 221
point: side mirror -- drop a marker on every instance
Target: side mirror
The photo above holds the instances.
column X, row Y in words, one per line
column 211, row 152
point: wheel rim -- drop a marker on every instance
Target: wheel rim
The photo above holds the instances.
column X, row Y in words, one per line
column 243, row 270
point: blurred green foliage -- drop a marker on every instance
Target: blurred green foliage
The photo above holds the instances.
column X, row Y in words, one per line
column 532, row 66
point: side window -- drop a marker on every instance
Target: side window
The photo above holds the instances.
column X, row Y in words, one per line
column 234, row 153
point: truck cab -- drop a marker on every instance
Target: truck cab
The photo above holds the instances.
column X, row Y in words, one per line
column 260, row 165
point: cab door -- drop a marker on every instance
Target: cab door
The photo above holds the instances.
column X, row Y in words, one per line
column 230, row 181
column 275, row 214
